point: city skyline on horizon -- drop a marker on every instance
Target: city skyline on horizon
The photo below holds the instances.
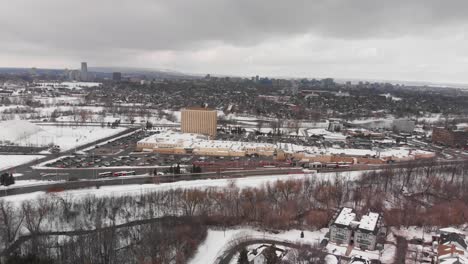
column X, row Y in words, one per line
column 397, row 40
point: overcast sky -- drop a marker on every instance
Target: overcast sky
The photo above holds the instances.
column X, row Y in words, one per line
column 422, row 40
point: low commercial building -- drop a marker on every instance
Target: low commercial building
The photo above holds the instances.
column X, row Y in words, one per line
column 172, row 142
column 403, row 125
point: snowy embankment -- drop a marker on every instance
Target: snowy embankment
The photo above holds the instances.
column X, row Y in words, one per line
column 22, row 183
column 138, row 189
column 217, row 240
column 10, row 161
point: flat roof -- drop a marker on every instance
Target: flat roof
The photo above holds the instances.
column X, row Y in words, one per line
column 345, row 217
column 198, row 108
column 369, row 221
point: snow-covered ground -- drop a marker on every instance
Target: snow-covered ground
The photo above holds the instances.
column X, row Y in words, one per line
column 71, row 100
column 24, row 133
column 217, row 240
column 71, row 137
column 10, row 161
column 27, row 183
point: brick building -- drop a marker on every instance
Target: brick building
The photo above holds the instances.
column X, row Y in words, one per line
column 199, row 120
column 448, row 137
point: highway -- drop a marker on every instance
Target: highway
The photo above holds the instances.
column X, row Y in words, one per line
column 72, row 183
column 142, row 179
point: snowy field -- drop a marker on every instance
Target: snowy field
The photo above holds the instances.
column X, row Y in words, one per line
column 71, row 137
column 24, row 133
column 10, row 161
column 137, row 189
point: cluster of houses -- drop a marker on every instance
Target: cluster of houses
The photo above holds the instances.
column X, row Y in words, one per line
column 451, row 247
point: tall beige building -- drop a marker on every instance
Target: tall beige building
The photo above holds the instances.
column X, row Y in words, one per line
column 199, row 120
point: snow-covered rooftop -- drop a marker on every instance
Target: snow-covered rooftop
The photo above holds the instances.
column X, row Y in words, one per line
column 369, row 221
column 187, row 140
column 450, row 230
column 68, row 85
column 345, row 217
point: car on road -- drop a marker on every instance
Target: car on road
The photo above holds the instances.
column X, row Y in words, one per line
column 105, row 174
column 124, row 173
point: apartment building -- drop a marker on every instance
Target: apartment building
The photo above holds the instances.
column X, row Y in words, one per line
column 346, row 229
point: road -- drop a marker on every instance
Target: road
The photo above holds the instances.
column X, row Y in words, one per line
column 401, row 248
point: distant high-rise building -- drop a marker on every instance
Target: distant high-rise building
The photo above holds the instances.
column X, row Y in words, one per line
column 257, row 78
column 116, row 76
column 199, row 120
column 74, row 75
column 33, row 71
column 84, row 71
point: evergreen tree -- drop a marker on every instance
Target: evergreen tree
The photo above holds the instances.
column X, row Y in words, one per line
column 270, row 255
column 29, row 259
column 149, row 125
column 4, row 179
column 243, row 257
column 11, row 180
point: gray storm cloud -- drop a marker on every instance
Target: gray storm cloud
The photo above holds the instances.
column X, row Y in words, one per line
column 144, row 32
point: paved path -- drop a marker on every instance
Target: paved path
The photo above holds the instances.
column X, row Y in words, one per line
column 401, row 249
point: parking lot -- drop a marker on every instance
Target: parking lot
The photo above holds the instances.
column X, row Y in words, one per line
column 144, row 159
column 122, row 146
column 120, row 153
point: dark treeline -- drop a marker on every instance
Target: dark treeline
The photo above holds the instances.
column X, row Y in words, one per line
column 427, row 195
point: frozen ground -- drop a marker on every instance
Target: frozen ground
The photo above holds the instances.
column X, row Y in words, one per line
column 9, row 161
